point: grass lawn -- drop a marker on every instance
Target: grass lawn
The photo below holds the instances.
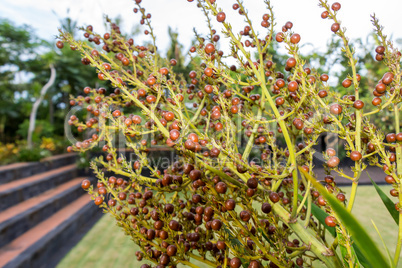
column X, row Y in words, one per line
column 105, row 245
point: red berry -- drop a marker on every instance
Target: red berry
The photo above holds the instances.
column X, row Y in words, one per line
column 221, row 16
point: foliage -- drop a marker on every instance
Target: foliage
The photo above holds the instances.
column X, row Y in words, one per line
column 43, row 128
column 32, row 155
column 217, row 203
column 8, row 152
column 18, row 152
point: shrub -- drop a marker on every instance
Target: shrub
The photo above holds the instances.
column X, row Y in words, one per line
column 32, row 155
column 215, row 204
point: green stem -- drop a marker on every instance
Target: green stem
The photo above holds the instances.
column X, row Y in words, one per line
column 250, row 142
column 399, row 170
column 198, row 258
column 352, row 195
column 319, row 250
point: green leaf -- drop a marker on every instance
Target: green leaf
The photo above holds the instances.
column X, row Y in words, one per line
column 387, row 202
column 366, row 244
column 234, row 242
column 320, row 216
column 343, row 249
column 360, row 256
column 385, row 246
column 261, row 231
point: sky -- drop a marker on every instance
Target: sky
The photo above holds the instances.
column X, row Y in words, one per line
column 44, row 16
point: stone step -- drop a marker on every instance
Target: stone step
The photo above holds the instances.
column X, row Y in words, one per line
column 35, row 247
column 18, row 191
column 17, row 171
column 20, row 218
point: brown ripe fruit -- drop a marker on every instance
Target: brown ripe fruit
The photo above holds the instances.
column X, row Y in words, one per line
column 308, row 130
column 245, row 215
column 298, row 123
column 335, row 27
column 85, row 184
column 221, row 16
column 137, row 119
column 266, row 208
column 189, row 145
column 235, row 262
column 380, row 88
column 322, row 93
column 151, row 99
column 221, row 245
column 234, row 109
column 391, row 137
column 279, row 37
column 164, row 71
column 221, row 187
column 295, row 38
column 193, row 137
column 194, row 174
column 376, row 101
column 321, row 201
column 252, row 183
column 399, row 136
column 169, row 116
column 209, row 48
column 208, row 72
column 333, row 162
column 324, row 15
column 289, row 25
column 151, row 81
column 291, row 62
column 380, row 50
column 98, row 200
column 346, row 83
column 230, row 204
column 335, row 109
column 174, row 134
column 389, row 179
column 293, row 86
column 280, row 83
column 358, row 104
column 256, row 264
column 171, row 250
column 216, row 224
column 174, row 225
column 387, row 78
column 394, row 192
column 355, row 156
column 336, row 6
column 330, row 221
column 59, row 44
column 125, row 61
column 324, row 77
column 279, row 101
column 341, row 197
column 208, row 89
column 274, row 197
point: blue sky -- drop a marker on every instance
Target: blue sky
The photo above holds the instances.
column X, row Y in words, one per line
column 183, row 16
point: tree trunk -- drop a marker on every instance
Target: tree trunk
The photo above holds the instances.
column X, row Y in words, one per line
column 51, row 110
column 32, row 117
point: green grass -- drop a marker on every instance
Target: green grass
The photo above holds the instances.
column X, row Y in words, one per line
column 105, row 245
